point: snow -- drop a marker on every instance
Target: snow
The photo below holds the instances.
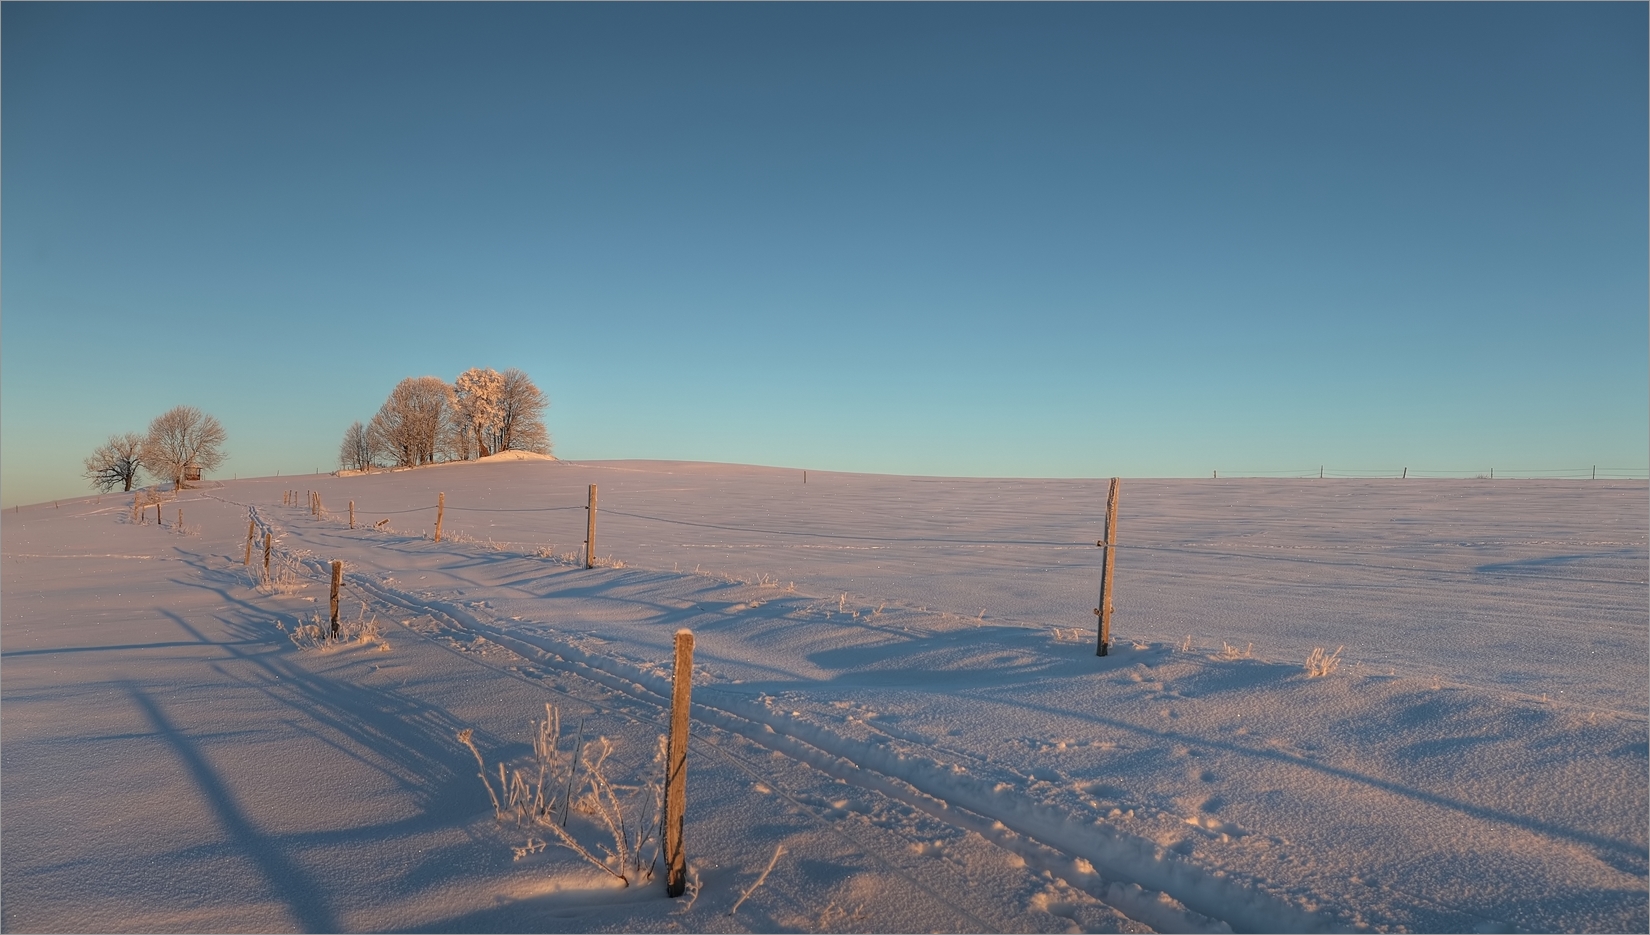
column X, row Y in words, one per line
column 895, row 681
column 516, row 456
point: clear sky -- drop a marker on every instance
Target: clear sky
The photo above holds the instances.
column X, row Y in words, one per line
column 1056, row 240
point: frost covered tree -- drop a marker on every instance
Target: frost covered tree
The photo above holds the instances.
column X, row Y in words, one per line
column 520, row 425
column 116, row 463
column 183, row 438
column 501, row 412
column 417, row 423
column 479, row 394
column 356, row 454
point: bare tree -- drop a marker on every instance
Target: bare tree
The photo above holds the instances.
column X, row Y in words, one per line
column 479, row 392
column 520, row 425
column 417, row 423
column 356, row 454
column 116, row 463
column 182, row 439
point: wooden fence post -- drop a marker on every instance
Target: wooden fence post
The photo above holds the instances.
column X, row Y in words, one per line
column 590, row 535
column 352, row 514
column 251, row 527
column 180, row 519
column 266, row 558
column 337, row 579
column 676, row 767
column 1107, row 561
column 440, row 508
column 1405, row 475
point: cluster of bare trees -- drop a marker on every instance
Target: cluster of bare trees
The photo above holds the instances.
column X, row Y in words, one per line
column 182, row 443
column 426, row 420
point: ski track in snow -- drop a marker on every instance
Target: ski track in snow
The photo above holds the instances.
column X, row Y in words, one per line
column 947, row 794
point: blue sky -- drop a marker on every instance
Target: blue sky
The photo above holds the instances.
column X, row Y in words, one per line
column 1050, row 240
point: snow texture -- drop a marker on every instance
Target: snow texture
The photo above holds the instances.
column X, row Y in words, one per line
column 896, row 692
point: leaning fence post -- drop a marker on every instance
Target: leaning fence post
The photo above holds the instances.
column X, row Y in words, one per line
column 440, row 508
column 1107, row 560
column 337, row 579
column 251, row 527
column 676, row 767
column 352, row 514
column 266, row 558
column 590, row 532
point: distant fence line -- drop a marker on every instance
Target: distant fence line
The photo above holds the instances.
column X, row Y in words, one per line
column 1401, row 473
column 316, row 508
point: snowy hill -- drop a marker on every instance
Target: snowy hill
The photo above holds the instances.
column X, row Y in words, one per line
column 895, row 682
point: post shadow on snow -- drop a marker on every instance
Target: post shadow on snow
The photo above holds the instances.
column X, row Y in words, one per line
column 416, row 740
column 1613, row 850
column 408, row 742
column 1527, row 568
column 285, row 878
column 116, row 647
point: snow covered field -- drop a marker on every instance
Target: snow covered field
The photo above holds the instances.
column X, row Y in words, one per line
column 895, row 682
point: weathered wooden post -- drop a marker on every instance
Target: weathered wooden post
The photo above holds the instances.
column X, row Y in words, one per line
column 266, row 558
column 676, row 767
column 440, row 508
column 352, row 514
column 590, row 534
column 1107, row 561
column 1405, row 475
column 179, row 527
column 337, row 579
column 251, row 528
